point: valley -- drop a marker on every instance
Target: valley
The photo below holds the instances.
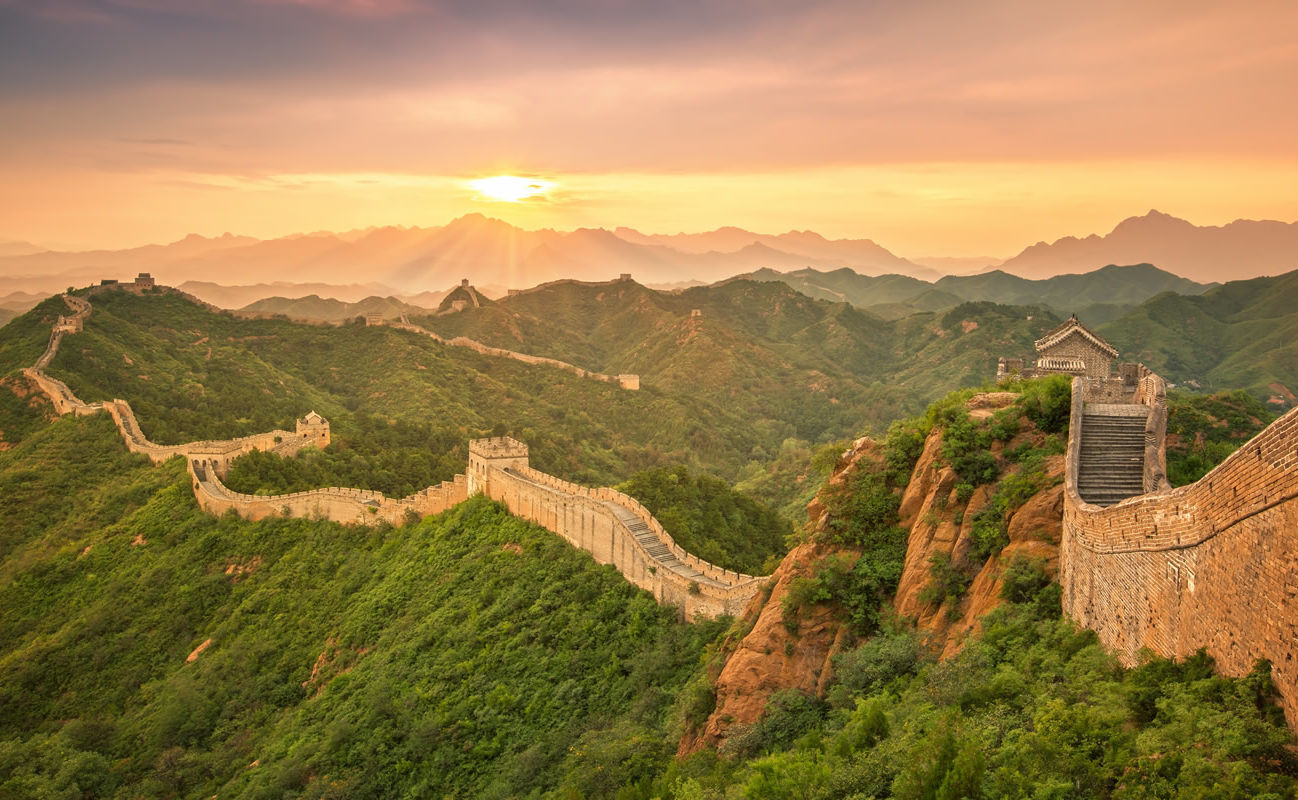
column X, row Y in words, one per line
column 836, row 604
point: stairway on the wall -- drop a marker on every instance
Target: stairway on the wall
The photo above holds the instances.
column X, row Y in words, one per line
column 1111, row 467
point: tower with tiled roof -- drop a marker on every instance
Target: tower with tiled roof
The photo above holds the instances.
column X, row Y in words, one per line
column 1075, row 349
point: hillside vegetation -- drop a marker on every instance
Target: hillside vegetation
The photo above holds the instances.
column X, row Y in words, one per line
column 1240, row 335
column 1027, row 705
column 762, row 371
column 1097, row 296
column 149, row 649
column 1203, row 429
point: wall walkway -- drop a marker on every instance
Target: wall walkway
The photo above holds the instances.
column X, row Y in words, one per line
column 631, row 382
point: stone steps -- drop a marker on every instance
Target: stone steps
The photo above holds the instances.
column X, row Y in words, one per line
column 1112, row 455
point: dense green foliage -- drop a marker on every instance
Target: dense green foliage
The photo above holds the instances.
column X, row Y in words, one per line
column 711, row 520
column 1033, row 707
column 395, row 457
column 1204, row 429
column 471, row 655
column 149, row 649
column 23, row 410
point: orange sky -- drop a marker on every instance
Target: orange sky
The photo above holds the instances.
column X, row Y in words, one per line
column 933, row 128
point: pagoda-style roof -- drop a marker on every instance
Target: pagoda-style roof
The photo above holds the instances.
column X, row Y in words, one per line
column 1073, row 325
column 312, row 416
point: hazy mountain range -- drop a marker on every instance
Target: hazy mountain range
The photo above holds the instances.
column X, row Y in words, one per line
column 404, row 261
column 1097, row 296
column 1242, row 249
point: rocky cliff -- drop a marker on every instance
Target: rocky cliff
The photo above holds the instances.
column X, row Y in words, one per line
column 939, row 515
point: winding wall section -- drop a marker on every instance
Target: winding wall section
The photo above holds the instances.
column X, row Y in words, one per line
column 613, row 527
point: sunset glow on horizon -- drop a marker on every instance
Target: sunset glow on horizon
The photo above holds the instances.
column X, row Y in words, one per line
column 510, row 188
column 931, row 128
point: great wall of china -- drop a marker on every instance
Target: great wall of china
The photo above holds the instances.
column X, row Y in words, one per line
column 625, row 381
column 1211, row 565
column 613, row 527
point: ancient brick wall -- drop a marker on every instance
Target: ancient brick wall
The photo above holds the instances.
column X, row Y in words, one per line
column 344, row 505
column 626, row 381
column 595, row 521
column 1213, row 564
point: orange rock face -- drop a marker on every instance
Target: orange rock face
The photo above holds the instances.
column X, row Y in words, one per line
column 770, row 658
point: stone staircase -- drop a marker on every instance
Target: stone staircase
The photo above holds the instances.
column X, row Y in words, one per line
column 655, row 547
column 1111, row 467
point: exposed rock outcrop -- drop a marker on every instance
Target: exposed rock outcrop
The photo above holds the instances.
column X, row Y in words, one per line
column 771, row 657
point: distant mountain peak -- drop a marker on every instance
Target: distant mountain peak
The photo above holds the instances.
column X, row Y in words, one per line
column 1202, row 253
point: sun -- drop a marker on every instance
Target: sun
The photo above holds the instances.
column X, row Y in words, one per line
column 510, row 188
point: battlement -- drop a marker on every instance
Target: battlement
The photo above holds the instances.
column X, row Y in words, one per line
column 498, row 447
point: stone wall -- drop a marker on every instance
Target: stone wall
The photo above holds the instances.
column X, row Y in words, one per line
column 217, row 452
column 625, row 381
column 596, row 520
column 600, row 521
column 347, row 506
column 1213, row 564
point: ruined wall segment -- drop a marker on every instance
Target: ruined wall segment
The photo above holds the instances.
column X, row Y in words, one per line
column 1212, row 565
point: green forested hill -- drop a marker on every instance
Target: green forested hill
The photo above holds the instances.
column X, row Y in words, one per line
column 893, row 296
column 1241, row 335
column 759, row 345
column 148, row 649
column 723, row 391
column 470, row 655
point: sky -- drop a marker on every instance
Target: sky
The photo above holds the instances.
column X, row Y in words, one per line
column 934, row 128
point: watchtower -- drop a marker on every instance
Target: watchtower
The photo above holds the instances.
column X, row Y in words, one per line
column 1075, row 349
column 500, row 452
column 315, row 429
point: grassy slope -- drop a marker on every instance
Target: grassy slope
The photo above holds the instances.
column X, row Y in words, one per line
column 474, row 655
column 461, row 656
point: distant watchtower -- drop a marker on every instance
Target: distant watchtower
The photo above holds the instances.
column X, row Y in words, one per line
column 315, row 429
column 500, row 452
column 144, row 281
column 373, row 318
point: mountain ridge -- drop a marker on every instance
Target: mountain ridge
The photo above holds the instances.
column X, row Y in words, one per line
column 1239, row 249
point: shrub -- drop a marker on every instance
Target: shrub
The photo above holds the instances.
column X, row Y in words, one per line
column 877, row 663
column 1026, row 581
column 945, row 581
column 1048, row 402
